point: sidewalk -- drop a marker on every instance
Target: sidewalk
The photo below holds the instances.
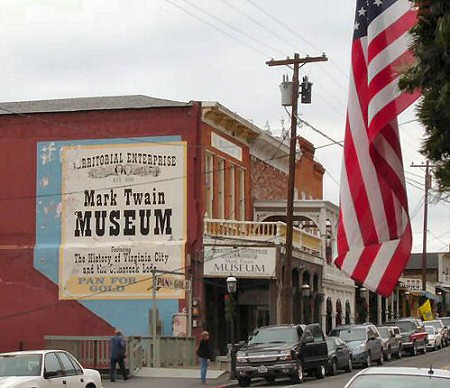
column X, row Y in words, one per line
column 216, row 378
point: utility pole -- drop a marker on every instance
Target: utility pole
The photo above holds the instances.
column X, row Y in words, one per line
column 286, row 290
column 155, row 346
column 425, row 222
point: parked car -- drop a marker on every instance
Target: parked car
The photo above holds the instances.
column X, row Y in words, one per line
column 434, row 338
column 446, row 322
column 414, row 335
column 364, row 342
column 339, row 356
column 439, row 326
column 391, row 340
column 282, row 351
column 45, row 369
column 400, row 377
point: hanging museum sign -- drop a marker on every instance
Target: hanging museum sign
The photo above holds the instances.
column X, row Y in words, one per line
column 241, row 262
column 123, row 214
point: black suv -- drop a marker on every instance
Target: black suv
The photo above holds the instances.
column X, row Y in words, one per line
column 280, row 351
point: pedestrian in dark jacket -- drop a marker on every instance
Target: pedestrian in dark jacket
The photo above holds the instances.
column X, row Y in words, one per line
column 203, row 351
column 118, row 355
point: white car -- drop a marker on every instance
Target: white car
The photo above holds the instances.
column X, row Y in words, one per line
column 434, row 338
column 400, row 377
column 45, row 369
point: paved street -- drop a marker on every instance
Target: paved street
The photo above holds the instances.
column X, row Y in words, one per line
column 438, row 359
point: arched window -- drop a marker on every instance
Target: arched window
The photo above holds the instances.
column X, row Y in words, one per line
column 348, row 312
column 338, row 312
column 329, row 315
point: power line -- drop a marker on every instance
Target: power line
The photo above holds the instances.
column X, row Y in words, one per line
column 145, row 279
column 258, row 23
column 298, row 36
column 216, row 28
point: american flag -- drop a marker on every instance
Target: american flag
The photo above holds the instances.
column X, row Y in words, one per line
column 374, row 232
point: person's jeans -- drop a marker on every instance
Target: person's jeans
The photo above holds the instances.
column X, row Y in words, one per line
column 203, row 369
column 112, row 370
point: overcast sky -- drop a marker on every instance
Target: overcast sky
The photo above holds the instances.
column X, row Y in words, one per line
column 213, row 50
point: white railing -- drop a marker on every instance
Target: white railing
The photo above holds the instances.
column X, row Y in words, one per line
column 445, row 278
column 271, row 232
column 93, row 352
column 330, row 272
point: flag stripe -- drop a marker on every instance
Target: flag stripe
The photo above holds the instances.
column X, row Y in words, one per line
column 361, row 175
column 389, row 74
column 387, row 113
column 395, row 267
column 388, row 17
column 395, row 31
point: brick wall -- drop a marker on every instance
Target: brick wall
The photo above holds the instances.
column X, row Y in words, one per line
column 267, row 183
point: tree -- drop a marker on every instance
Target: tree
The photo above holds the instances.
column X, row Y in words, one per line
column 431, row 75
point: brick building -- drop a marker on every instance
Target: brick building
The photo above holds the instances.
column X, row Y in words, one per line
column 98, row 192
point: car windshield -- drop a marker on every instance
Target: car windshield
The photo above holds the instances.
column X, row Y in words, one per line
column 446, row 321
column 273, row 335
column 20, row 365
column 430, row 329
column 435, row 324
column 405, row 326
column 383, row 332
column 399, row 381
column 349, row 335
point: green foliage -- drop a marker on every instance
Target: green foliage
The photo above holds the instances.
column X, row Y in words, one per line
column 431, row 75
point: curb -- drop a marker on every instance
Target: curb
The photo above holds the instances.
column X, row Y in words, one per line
column 226, row 385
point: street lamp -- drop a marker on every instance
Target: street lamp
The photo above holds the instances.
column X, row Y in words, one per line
column 305, row 291
column 231, row 284
column 232, row 288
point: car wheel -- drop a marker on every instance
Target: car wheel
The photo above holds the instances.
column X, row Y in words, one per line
column 244, row 381
column 320, row 372
column 298, row 377
column 333, row 368
column 349, row 365
column 368, row 360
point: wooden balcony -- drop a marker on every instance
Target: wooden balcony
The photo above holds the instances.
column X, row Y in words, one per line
column 264, row 232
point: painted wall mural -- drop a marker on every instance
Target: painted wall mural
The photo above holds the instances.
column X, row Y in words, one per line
column 109, row 211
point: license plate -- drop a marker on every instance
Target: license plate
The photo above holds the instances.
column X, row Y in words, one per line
column 262, row 369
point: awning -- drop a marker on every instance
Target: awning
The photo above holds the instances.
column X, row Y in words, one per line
column 427, row 295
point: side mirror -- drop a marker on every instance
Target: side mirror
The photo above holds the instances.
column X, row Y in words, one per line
column 308, row 339
column 50, row 373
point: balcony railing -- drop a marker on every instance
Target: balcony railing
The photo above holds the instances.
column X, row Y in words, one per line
column 270, row 232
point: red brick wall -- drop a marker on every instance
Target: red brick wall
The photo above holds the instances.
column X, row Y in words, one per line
column 268, row 183
column 309, row 173
column 30, row 303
